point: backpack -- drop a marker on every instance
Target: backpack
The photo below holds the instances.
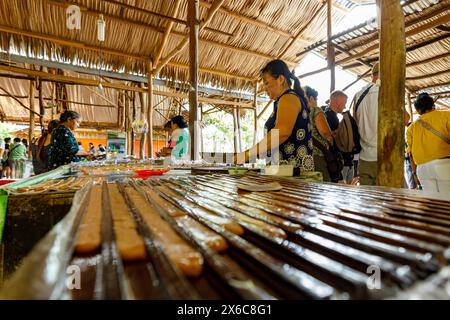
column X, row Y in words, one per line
column 347, row 135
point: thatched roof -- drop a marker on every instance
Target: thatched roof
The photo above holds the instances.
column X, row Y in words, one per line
column 240, row 38
column 427, row 44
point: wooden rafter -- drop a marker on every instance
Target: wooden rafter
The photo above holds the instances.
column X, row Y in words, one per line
column 289, row 44
column 428, row 75
column 84, row 46
column 166, row 34
column 212, row 11
column 434, row 23
column 120, row 86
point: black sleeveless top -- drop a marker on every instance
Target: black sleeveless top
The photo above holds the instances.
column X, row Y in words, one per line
column 298, row 148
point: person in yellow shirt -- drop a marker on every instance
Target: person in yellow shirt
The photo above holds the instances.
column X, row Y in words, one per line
column 428, row 141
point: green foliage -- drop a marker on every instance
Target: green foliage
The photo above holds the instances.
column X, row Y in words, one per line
column 7, row 128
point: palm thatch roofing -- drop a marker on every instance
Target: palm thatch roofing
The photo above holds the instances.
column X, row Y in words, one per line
column 427, row 27
column 235, row 44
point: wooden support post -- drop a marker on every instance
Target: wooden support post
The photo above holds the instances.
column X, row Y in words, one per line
column 391, row 100
column 150, row 108
column 128, row 122
column 235, row 135
column 142, row 116
column 330, row 48
column 255, row 113
column 193, row 19
column 133, row 117
column 41, row 106
column 238, row 123
column 31, row 127
column 201, row 130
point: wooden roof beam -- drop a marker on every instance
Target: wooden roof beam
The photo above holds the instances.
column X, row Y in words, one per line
column 156, row 14
column 431, row 12
column 432, row 24
column 166, row 34
column 89, row 82
column 429, row 75
column 409, row 49
column 290, row 42
column 83, row 46
column 212, row 11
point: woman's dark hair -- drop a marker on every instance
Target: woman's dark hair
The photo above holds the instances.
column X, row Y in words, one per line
column 423, row 103
column 25, row 141
column 278, row 68
column 17, row 140
column 52, row 125
column 168, row 125
column 68, row 115
column 7, row 140
column 179, row 121
column 310, row 92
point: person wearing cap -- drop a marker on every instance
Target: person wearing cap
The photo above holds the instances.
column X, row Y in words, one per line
column 428, row 140
column 366, row 116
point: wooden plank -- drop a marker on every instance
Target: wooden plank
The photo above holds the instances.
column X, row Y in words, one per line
column 194, row 29
column 391, row 101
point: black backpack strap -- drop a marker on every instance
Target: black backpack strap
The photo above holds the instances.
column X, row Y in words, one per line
column 361, row 98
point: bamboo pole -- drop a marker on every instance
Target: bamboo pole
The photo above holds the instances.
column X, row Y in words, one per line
column 330, row 47
column 194, row 29
column 150, row 107
column 391, row 103
column 31, row 127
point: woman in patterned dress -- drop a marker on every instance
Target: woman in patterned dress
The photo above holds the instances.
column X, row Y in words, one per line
column 288, row 139
column 64, row 146
column 321, row 132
